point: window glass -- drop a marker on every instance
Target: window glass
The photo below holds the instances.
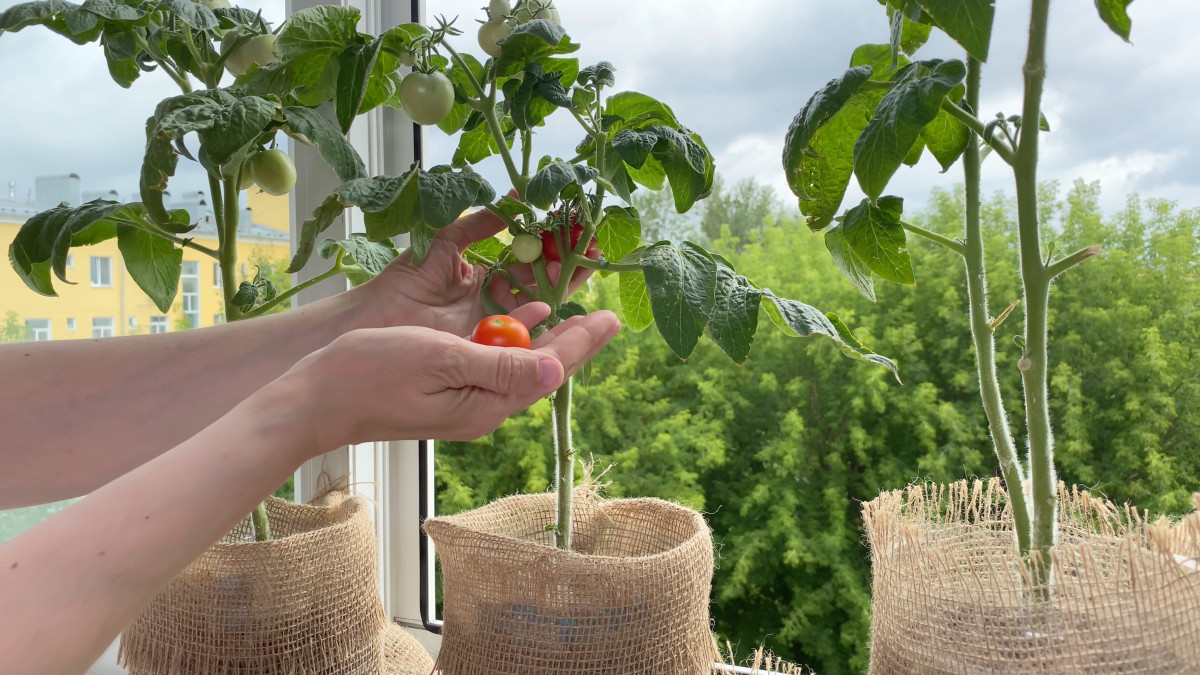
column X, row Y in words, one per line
column 101, row 271
column 189, row 289
column 102, row 327
column 39, row 329
column 158, row 324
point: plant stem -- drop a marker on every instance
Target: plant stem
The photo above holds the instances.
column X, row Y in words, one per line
column 1062, row 265
column 974, row 124
column 519, row 180
column 982, row 332
column 1036, row 281
column 289, row 293
column 956, row 246
column 225, row 209
column 564, row 470
column 606, row 266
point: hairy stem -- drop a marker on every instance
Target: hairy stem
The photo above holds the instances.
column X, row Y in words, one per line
column 956, row 246
column 564, row 472
column 294, row 290
column 982, row 331
column 519, row 180
column 1036, row 281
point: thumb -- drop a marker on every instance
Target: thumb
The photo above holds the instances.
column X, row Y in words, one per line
column 508, row 371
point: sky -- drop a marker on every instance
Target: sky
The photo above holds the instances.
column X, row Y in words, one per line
column 735, row 72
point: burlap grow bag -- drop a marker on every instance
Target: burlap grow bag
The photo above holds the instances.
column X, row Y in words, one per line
column 951, row 593
column 305, row 602
column 632, row 597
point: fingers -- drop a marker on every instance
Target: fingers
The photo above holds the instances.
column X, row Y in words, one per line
column 472, row 228
column 531, row 314
column 576, row 340
column 520, row 375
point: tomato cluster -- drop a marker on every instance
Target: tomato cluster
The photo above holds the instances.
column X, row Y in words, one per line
column 560, row 225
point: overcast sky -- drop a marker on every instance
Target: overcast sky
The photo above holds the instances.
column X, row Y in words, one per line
column 736, row 72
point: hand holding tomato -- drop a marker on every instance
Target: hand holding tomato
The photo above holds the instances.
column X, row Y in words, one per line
column 501, row 331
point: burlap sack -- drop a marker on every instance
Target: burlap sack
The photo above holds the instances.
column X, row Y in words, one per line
column 307, row 601
column 631, row 598
column 403, row 655
column 951, row 593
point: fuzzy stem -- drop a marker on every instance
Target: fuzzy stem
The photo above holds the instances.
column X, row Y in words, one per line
column 1036, row 281
column 564, row 471
column 982, row 331
column 956, row 246
column 225, row 209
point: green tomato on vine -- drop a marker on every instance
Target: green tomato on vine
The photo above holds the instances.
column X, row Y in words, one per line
column 273, row 171
column 258, row 50
column 537, row 9
column 426, row 97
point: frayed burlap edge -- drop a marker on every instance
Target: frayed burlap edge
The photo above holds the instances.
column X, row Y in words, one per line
column 403, row 655
column 323, row 560
column 951, row 593
column 761, row 662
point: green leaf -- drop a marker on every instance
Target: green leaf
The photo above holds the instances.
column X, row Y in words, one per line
column 321, row 219
column 601, row 74
column 547, row 184
column 354, row 73
column 570, row 309
column 88, row 223
column 619, row 232
column 445, row 195
column 153, row 262
column 635, row 301
column 246, row 296
column 233, row 129
column 490, row 248
column 874, row 233
column 682, row 284
column 369, row 258
column 32, row 248
column 461, row 112
column 111, row 9
column 734, row 317
column 818, row 147
column 632, row 110
column 331, row 143
column 849, row 263
column 946, row 138
column 797, row 319
column 911, row 104
column 968, row 22
column 324, row 29
column 532, row 42
column 192, row 13
column 1115, row 14
column 25, row 14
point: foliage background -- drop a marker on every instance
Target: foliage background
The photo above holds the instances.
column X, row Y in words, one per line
column 780, row 452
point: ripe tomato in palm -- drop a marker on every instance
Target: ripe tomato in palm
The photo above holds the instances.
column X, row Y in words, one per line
column 501, row 331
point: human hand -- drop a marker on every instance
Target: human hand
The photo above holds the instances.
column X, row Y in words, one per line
column 442, row 291
column 415, row 383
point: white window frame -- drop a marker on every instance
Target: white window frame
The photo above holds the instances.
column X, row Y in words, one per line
column 72, row 326
column 218, row 281
column 43, row 331
column 103, row 260
column 388, row 473
column 183, row 295
column 70, row 261
column 110, row 329
column 162, row 322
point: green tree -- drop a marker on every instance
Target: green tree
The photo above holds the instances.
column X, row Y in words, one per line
column 13, row 329
column 746, row 209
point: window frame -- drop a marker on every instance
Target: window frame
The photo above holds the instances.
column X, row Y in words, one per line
column 93, row 271
column 45, row 326
column 183, row 295
column 218, row 280
column 159, row 320
column 111, row 328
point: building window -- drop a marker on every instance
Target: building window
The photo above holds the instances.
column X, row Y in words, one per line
column 133, row 323
column 71, row 324
column 101, row 272
column 217, row 282
column 218, row 319
column 70, row 261
column 39, row 329
column 102, row 326
column 190, row 286
column 159, row 324
column 245, row 270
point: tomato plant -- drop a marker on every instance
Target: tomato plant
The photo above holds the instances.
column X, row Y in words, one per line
column 632, row 141
column 501, row 331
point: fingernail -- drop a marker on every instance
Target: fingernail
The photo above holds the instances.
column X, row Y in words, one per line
column 548, row 373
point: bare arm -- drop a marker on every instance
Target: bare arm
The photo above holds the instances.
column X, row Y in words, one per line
column 79, row 413
column 71, row 584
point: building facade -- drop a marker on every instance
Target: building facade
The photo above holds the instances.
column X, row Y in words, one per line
column 102, row 300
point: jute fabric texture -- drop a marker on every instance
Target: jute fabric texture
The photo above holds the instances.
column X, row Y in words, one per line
column 305, row 602
column 403, row 655
column 632, row 597
column 952, row 594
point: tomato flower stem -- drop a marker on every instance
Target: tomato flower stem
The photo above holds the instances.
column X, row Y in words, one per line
column 952, row 244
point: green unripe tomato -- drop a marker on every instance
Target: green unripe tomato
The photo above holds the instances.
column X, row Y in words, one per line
column 527, row 247
column 526, row 14
column 498, row 9
column 274, row 171
column 215, row 4
column 426, row 97
column 247, row 180
column 258, row 50
column 490, row 34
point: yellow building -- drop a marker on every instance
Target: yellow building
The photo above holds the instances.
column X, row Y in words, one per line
column 103, row 299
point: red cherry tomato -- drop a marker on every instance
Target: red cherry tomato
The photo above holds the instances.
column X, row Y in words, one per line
column 550, row 241
column 501, row 331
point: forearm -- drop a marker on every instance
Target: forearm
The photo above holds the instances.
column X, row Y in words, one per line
column 85, row 573
column 77, row 414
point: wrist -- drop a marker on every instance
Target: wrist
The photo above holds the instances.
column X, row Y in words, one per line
column 286, row 412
